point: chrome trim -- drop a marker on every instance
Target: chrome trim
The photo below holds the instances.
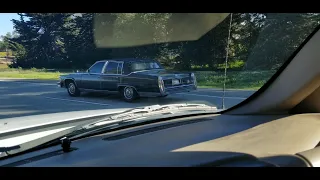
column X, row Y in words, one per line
column 139, row 78
column 60, row 84
column 188, row 88
column 104, row 67
column 181, row 88
column 189, row 85
column 194, row 78
column 128, row 92
column 72, row 89
column 128, row 86
column 121, row 68
column 94, row 73
column 96, row 90
column 143, row 71
column 161, row 84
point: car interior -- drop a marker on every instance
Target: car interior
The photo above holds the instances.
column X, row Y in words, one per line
column 278, row 126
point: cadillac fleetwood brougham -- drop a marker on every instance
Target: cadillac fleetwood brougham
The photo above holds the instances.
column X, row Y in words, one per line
column 132, row 78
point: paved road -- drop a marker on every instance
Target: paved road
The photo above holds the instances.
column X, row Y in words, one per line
column 19, row 98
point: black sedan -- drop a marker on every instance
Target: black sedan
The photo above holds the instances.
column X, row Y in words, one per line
column 131, row 77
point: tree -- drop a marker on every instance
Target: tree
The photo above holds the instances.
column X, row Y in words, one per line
column 41, row 38
column 4, row 44
column 56, row 40
column 286, row 31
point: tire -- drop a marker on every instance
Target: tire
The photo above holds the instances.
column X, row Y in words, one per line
column 72, row 89
column 129, row 94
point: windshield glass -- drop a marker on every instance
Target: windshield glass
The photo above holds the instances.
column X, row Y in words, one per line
column 55, row 67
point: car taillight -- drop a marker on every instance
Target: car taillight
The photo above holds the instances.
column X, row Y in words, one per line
column 161, row 84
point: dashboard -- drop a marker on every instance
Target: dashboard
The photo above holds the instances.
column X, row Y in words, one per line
column 208, row 140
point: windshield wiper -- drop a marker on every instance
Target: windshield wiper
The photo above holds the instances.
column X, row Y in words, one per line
column 134, row 116
column 114, row 120
column 141, row 113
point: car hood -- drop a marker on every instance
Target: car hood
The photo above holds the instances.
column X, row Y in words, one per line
column 10, row 126
column 164, row 73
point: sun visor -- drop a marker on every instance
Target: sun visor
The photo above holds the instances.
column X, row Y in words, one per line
column 118, row 30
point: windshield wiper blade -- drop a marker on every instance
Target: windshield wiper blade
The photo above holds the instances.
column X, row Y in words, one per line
column 160, row 108
column 137, row 114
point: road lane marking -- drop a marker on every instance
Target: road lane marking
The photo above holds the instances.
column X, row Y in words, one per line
column 77, row 101
column 201, row 95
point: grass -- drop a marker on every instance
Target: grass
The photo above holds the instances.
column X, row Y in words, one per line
column 4, row 54
column 250, row 80
column 6, row 72
column 3, row 66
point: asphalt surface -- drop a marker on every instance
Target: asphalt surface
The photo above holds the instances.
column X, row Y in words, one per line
column 23, row 98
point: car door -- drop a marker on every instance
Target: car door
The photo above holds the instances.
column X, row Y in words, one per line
column 111, row 75
column 92, row 80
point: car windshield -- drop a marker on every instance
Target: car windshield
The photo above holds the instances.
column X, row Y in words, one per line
column 57, row 67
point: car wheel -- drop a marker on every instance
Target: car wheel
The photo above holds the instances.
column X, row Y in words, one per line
column 72, row 89
column 129, row 94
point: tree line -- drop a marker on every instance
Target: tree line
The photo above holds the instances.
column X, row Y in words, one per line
column 257, row 41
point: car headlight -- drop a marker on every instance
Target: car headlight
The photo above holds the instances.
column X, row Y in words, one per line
column 161, row 84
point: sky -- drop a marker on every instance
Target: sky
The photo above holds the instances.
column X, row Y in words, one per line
column 6, row 24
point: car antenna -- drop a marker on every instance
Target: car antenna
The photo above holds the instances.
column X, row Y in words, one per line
column 226, row 63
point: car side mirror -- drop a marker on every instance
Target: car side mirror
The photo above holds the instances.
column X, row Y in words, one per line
column 88, row 71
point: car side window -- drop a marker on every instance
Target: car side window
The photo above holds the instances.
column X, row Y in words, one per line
column 97, row 68
column 113, row 68
column 126, row 68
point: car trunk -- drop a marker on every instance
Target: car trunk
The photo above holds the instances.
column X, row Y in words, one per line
column 170, row 78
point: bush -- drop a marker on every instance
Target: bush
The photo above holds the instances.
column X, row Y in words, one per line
column 234, row 79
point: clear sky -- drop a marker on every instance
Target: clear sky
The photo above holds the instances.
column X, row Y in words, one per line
column 6, row 24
